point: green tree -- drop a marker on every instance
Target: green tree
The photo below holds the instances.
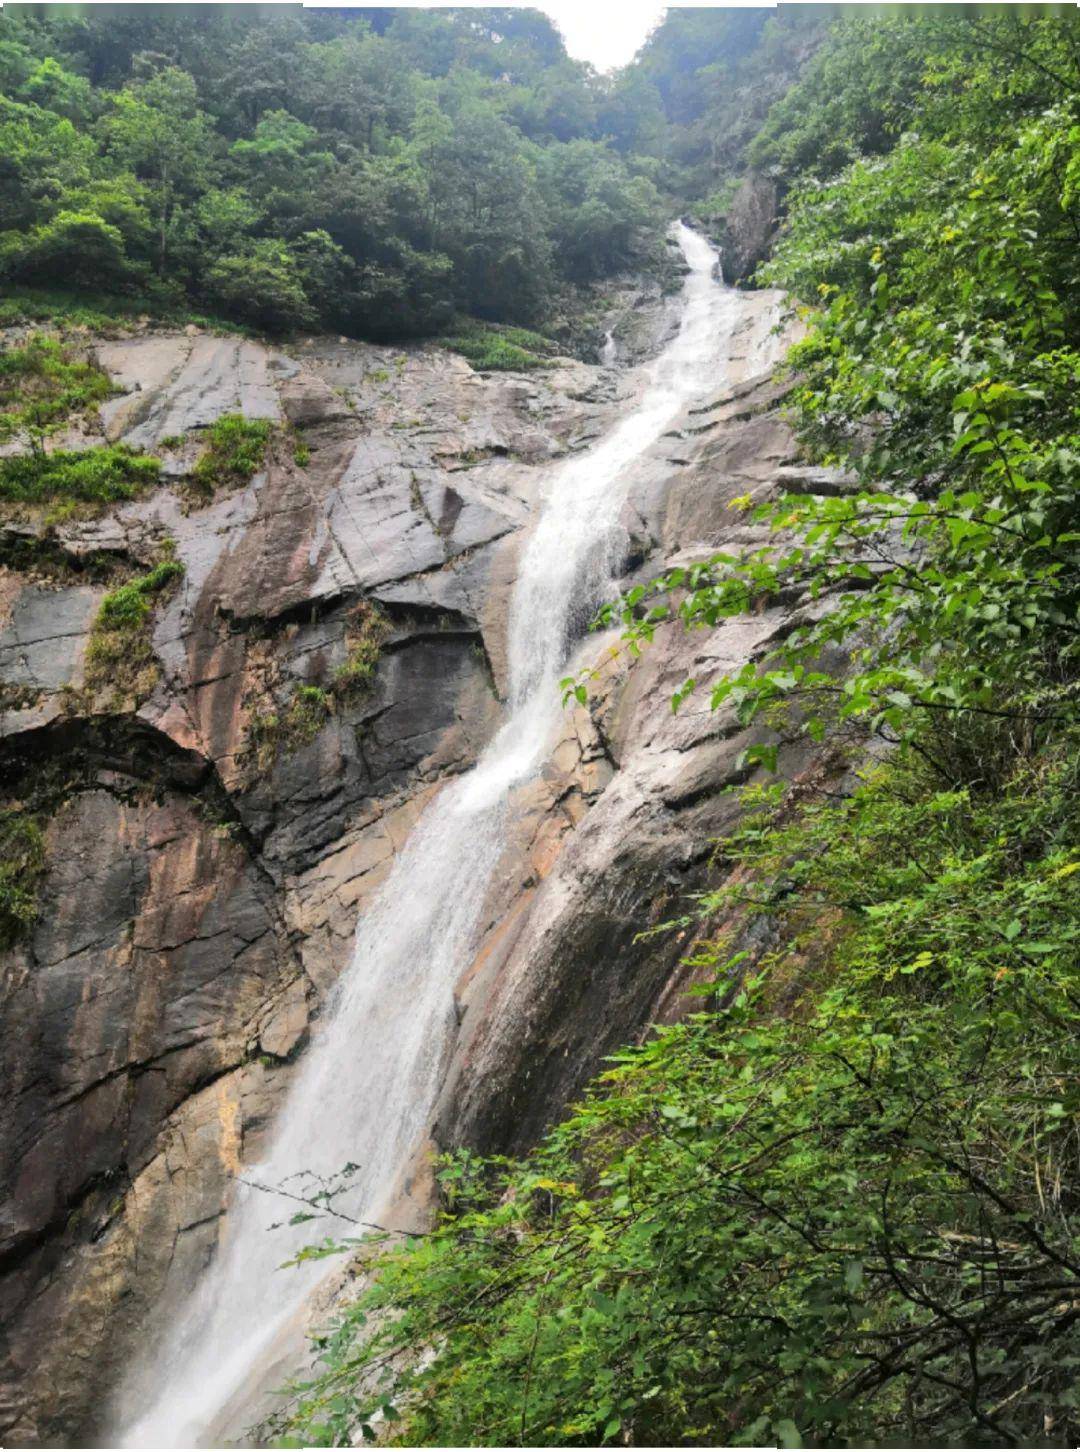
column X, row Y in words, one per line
column 263, row 284
column 839, row 1205
column 157, row 129
column 598, row 208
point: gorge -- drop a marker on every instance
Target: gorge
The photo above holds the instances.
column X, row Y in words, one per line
column 538, row 742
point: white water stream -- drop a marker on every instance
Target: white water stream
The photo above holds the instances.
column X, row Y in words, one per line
column 368, row 1082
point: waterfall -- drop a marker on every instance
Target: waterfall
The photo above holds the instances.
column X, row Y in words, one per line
column 365, row 1090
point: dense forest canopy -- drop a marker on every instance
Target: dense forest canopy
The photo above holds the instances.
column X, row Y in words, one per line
column 370, row 170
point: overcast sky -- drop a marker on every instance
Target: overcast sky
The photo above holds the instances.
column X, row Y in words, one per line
column 609, row 34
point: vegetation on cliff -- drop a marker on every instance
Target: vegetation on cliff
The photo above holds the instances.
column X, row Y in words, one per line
column 101, row 475
column 42, row 383
column 840, row 1205
column 235, row 449
column 120, row 655
column 286, row 721
column 45, row 387
column 22, row 864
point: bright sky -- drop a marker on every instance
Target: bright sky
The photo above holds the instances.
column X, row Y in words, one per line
column 608, row 34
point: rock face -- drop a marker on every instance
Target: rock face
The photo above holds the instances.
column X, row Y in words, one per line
column 205, row 870
column 748, row 227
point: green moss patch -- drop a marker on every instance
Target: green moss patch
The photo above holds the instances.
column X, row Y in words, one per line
column 22, row 864
column 236, row 450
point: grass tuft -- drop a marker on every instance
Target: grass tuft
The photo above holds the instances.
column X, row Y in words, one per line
column 366, row 632
column 103, row 475
column 42, row 383
column 120, row 654
column 236, row 449
column 297, row 724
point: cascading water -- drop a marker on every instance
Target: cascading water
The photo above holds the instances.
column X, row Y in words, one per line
column 370, row 1078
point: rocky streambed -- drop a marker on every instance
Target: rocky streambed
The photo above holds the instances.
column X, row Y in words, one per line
column 208, row 849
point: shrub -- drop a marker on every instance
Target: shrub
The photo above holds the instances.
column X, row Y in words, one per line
column 78, row 245
column 236, row 448
column 853, row 1223
column 264, row 285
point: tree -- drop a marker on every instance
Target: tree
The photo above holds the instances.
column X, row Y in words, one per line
column 157, row 128
column 53, row 88
column 358, row 87
column 263, row 284
column 598, row 208
column 413, row 141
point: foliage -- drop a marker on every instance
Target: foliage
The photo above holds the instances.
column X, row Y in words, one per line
column 92, row 476
column 849, row 1224
column 42, row 383
column 22, row 863
column 372, row 171
column 714, row 74
column 236, row 448
column 490, row 348
column 130, row 604
column 120, row 655
column 86, row 309
column 940, row 370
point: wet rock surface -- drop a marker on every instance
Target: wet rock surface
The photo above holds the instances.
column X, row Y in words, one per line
column 208, row 854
